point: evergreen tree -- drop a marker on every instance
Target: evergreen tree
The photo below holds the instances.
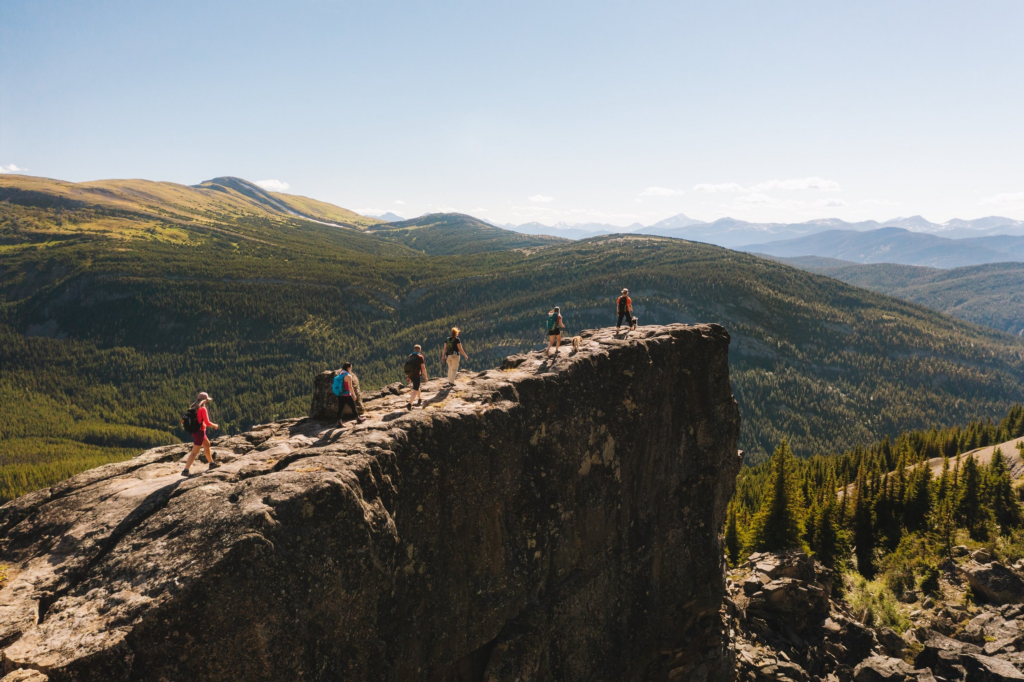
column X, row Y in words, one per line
column 732, row 536
column 779, row 522
column 917, row 501
column 831, row 548
column 999, row 493
column 971, row 511
column 863, row 528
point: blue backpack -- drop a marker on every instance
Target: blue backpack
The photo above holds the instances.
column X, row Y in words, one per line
column 339, row 384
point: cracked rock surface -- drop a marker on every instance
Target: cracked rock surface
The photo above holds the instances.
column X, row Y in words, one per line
column 555, row 519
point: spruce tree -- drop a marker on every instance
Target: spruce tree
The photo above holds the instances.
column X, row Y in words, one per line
column 732, row 536
column 971, row 511
column 864, row 528
column 779, row 522
column 999, row 493
column 829, row 537
column 917, row 501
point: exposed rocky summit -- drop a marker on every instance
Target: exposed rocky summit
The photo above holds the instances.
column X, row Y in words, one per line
column 558, row 518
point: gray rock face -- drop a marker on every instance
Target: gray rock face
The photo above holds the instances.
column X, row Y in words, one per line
column 886, row 669
column 995, row 582
column 558, row 519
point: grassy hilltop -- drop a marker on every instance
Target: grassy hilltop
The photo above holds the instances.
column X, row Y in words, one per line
column 119, row 299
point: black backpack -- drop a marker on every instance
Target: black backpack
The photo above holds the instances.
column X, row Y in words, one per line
column 452, row 346
column 412, row 365
column 190, row 421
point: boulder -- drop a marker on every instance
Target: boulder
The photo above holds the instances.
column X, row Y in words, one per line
column 982, row 556
column 891, row 642
column 887, row 669
column 559, row 520
column 23, row 675
column 994, row 582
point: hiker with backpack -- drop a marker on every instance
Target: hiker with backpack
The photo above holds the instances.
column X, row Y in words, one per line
column 555, row 327
column 452, row 350
column 624, row 305
column 344, row 388
column 415, row 372
column 195, row 421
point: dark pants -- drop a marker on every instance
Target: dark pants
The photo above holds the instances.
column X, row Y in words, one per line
column 344, row 400
column 628, row 317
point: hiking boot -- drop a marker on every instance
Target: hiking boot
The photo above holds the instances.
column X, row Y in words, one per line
column 186, row 473
column 420, row 401
column 213, row 465
column 360, row 420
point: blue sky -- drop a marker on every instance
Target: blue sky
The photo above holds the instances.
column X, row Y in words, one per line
column 548, row 111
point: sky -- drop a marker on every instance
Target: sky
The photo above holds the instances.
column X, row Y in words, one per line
column 574, row 112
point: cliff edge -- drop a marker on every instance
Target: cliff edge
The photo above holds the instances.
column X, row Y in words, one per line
column 555, row 519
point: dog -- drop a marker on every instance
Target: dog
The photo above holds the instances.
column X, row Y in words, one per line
column 576, row 342
column 633, row 323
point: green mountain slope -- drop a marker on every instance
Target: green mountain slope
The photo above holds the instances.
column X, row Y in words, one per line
column 443, row 234
column 983, row 294
column 105, row 334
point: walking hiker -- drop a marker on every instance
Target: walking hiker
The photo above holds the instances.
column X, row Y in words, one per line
column 625, row 309
column 452, row 350
column 195, row 421
column 415, row 372
column 343, row 387
column 555, row 328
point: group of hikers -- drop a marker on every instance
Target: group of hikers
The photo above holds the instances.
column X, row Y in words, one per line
column 346, row 385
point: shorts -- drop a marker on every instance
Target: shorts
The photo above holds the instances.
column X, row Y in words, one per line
column 416, row 382
column 554, row 332
column 198, row 437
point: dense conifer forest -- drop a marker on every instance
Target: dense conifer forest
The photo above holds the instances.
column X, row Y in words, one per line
column 119, row 300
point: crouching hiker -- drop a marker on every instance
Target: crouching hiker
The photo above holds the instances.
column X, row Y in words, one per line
column 415, row 372
column 343, row 388
column 195, row 421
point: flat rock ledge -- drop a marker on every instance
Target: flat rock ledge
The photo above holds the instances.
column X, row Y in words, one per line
column 556, row 519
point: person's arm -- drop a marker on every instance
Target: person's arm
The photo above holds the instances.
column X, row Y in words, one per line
column 462, row 350
column 423, row 366
column 205, row 420
column 347, row 384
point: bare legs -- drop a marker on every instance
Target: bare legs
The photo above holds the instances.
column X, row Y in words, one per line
column 205, row 447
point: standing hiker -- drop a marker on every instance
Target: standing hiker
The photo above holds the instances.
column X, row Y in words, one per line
column 555, row 328
column 415, row 372
column 195, row 421
column 452, row 350
column 343, row 387
column 624, row 306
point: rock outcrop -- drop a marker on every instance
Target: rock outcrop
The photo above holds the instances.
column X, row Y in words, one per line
column 558, row 518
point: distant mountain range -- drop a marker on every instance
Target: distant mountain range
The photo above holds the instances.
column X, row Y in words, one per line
column 734, row 233
column 898, row 245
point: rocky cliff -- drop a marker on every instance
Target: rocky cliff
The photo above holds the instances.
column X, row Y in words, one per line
column 555, row 519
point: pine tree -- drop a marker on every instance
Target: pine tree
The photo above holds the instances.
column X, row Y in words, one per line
column 999, row 492
column 863, row 528
column 917, row 501
column 732, row 537
column 779, row 522
column 831, row 548
column 971, row 511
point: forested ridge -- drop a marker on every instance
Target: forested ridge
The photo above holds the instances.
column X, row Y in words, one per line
column 112, row 317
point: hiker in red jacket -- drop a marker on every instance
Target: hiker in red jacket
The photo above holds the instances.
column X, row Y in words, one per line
column 625, row 309
column 199, row 439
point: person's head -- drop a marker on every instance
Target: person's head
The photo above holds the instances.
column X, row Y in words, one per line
column 201, row 398
column 625, row 291
column 557, row 310
column 346, row 366
column 417, row 348
column 455, row 331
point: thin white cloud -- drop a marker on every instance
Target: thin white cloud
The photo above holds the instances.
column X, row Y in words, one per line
column 399, row 202
column 1005, row 199
column 661, row 192
column 541, row 199
column 721, row 187
column 832, row 203
column 273, row 185
column 764, row 201
column 880, row 202
column 11, row 168
column 792, row 184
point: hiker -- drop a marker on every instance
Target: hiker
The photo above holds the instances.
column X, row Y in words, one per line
column 452, row 350
column 555, row 328
column 625, row 308
column 195, row 422
column 344, row 388
column 415, row 372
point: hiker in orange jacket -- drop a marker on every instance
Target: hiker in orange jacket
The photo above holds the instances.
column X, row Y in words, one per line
column 625, row 310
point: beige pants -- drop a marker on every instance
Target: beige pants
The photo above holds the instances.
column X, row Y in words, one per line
column 453, row 367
